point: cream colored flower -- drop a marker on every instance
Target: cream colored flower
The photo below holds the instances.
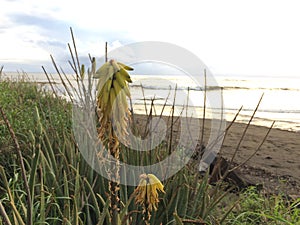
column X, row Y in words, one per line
column 146, row 194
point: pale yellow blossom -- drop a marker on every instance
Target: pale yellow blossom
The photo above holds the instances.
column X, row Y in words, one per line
column 146, row 194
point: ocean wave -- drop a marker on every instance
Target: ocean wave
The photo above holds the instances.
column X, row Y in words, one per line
column 180, row 88
column 210, row 88
column 162, row 101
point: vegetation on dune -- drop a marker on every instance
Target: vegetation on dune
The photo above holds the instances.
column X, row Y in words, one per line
column 44, row 179
column 19, row 101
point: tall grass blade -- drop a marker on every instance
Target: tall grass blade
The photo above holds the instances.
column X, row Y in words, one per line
column 245, row 131
column 4, row 214
column 16, row 213
column 43, row 199
column 67, row 202
column 178, row 221
column 105, row 213
column 94, row 200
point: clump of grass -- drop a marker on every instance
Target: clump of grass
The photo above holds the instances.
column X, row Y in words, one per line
column 60, row 182
column 257, row 208
column 19, row 106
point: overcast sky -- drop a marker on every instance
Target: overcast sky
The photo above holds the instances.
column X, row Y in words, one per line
column 255, row 37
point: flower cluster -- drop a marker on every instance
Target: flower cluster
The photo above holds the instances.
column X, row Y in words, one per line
column 146, row 194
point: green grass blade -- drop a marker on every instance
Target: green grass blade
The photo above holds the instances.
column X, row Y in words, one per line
column 4, row 214
column 94, row 199
column 67, row 202
column 33, row 172
column 42, row 201
column 11, row 199
column 178, row 221
column 105, row 213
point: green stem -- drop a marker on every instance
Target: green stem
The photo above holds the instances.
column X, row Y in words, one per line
column 115, row 176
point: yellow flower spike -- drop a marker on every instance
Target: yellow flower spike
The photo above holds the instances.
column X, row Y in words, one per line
column 146, row 194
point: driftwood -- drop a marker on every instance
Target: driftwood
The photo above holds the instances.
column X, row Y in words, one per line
column 220, row 169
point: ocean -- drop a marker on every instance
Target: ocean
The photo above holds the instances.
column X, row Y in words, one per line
column 280, row 102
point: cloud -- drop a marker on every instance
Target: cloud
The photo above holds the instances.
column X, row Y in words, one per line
column 45, row 25
column 230, row 37
column 34, row 31
column 30, row 19
column 46, row 34
column 30, row 39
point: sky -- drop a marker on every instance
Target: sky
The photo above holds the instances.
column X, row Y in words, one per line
column 232, row 37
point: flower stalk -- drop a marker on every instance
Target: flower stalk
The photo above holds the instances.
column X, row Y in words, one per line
column 113, row 114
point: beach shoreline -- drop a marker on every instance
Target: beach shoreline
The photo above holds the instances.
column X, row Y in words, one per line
column 277, row 163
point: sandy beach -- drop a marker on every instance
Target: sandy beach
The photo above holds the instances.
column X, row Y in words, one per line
column 276, row 165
